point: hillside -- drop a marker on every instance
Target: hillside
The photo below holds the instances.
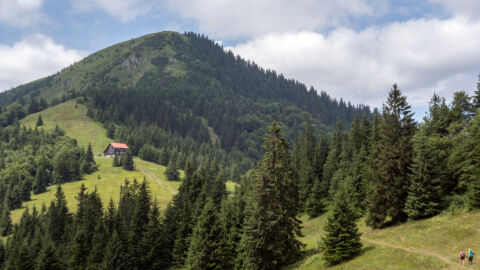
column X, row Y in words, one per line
column 71, row 118
column 186, row 87
column 428, row 244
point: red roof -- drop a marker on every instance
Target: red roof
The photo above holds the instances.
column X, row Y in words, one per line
column 119, row 145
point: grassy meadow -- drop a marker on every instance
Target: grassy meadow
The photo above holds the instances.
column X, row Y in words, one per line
column 427, row 244
column 72, row 118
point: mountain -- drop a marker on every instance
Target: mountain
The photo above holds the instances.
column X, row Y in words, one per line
column 182, row 91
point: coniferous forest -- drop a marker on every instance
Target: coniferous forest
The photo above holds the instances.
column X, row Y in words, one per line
column 382, row 168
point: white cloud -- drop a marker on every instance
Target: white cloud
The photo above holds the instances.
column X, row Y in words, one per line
column 237, row 19
column 125, row 10
column 422, row 56
column 460, row 7
column 20, row 12
column 33, row 58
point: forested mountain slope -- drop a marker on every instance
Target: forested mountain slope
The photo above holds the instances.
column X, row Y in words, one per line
column 187, row 86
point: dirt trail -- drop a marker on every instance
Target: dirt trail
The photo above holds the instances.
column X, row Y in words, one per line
column 157, row 180
column 451, row 264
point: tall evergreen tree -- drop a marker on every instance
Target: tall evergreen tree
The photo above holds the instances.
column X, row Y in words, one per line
column 390, row 162
column 39, row 121
column 171, row 172
column 207, row 240
column 423, row 199
column 271, row 226
column 114, row 256
column 342, row 239
column 6, row 221
column 89, row 164
column 41, row 181
column 127, row 161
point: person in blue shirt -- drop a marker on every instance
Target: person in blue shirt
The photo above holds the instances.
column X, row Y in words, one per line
column 470, row 255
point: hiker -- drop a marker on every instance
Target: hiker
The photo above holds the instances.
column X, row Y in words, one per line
column 462, row 257
column 470, row 255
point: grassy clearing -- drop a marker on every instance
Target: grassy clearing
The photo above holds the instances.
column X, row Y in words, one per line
column 428, row 244
column 72, row 118
column 108, row 186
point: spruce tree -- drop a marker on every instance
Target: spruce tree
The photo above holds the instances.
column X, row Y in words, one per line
column 154, row 242
column 423, row 199
column 271, row 226
column 114, row 256
column 41, row 180
column 390, row 163
column 334, row 156
column 136, row 251
column 127, row 161
column 171, row 172
column 116, row 161
column 206, row 241
column 6, row 221
column 89, row 165
column 58, row 217
column 315, row 205
column 342, row 239
column 39, row 121
column 48, row 258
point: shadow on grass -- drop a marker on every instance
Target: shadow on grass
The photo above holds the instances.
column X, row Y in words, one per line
column 310, row 252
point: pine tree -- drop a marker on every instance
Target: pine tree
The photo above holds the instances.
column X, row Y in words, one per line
column 41, row 180
column 114, row 256
column 127, row 161
column 48, row 258
column 271, row 226
column 206, row 241
column 58, row 217
column 154, row 241
column 315, row 205
column 334, row 156
column 137, row 226
column 390, row 162
column 39, row 121
column 171, row 172
column 342, row 239
column 89, row 165
column 116, row 161
column 473, row 193
column 423, row 199
column 6, row 222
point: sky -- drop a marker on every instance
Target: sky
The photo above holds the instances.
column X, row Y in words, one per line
column 355, row 49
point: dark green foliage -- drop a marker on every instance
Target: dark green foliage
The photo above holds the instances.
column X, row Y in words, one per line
column 424, row 193
column 172, row 172
column 207, row 239
column 114, row 258
column 390, row 163
column 315, row 205
column 89, row 165
column 42, row 179
column 39, row 121
column 127, row 161
column 58, row 217
column 116, row 161
column 110, row 131
column 48, row 258
column 271, row 226
column 5, row 221
column 342, row 239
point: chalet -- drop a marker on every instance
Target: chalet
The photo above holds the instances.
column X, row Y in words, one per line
column 115, row 149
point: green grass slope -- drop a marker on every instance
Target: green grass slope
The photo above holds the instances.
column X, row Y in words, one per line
column 72, row 118
column 428, row 244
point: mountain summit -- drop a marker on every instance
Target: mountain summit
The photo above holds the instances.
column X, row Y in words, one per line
column 187, row 86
